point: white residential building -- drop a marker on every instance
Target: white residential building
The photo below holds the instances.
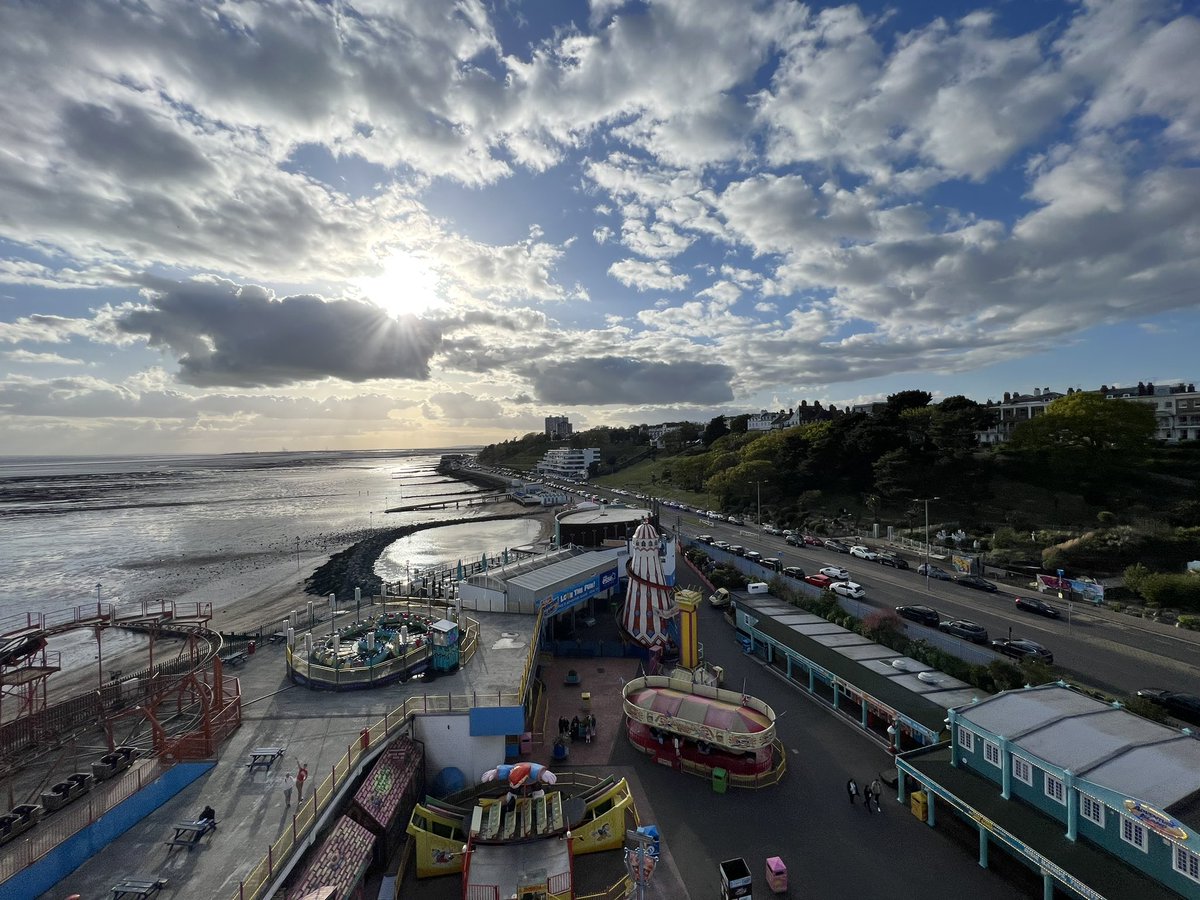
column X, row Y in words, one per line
column 1176, row 408
column 568, row 462
column 1012, row 411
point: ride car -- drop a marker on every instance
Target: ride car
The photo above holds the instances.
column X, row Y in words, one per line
column 812, row 541
column 1035, row 605
column 1022, row 648
column 1180, row 705
column 925, row 615
column 851, row 589
column 837, row 546
column 793, row 571
column 821, row 581
column 891, row 559
column 974, row 581
column 792, row 539
column 969, row 631
column 719, row 598
column 836, row 573
column 933, row 572
column 863, row 552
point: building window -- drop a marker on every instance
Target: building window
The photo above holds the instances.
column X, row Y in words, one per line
column 1055, row 789
column 1022, row 770
column 1133, row 833
column 1187, row 863
column 966, row 739
column 991, row 752
column 1091, row 809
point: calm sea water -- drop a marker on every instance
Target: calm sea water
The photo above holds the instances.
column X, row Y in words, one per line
column 150, row 528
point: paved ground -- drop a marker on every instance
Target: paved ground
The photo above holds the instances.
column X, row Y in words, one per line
column 831, row 848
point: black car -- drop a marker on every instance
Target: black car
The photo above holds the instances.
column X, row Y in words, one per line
column 1020, row 648
column 925, row 615
column 793, row 539
column 891, row 559
column 793, row 571
column 969, row 631
column 1180, row 705
column 974, row 581
column 837, row 546
column 1034, row 605
column 772, row 563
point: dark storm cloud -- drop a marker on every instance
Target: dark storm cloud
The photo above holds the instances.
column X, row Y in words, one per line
column 608, row 380
column 240, row 335
column 131, row 143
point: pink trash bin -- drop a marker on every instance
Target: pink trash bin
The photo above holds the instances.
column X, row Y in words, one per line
column 776, row 875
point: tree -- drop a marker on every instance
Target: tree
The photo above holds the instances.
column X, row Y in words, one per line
column 897, row 403
column 1088, row 424
column 740, row 424
column 714, row 430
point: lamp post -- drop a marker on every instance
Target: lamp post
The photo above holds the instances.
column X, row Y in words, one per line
column 758, row 486
column 926, row 500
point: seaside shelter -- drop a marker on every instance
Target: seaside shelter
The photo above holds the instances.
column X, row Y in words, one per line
column 1102, row 802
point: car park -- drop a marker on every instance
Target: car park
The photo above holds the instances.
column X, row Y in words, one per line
column 835, row 573
column 1178, row 704
column 1036, row 605
column 837, row 546
column 772, row 563
column 974, row 581
column 969, row 631
column 1023, row 648
column 793, row 571
column 864, row 552
column 891, row 559
column 821, row 581
column 851, row 589
column 925, row 615
column 933, row 572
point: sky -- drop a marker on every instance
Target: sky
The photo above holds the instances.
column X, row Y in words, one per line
column 230, row 226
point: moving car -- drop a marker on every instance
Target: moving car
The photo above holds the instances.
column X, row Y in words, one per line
column 835, row 573
column 1034, row 605
column 1180, row 705
column 821, row 581
column 720, row 597
column 925, row 615
column 850, row 589
column 974, row 581
column 837, row 546
column 793, row 571
column 976, row 634
column 933, row 572
column 863, row 552
column 891, row 559
column 1022, row 648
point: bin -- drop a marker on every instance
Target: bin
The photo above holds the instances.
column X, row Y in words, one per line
column 776, row 875
column 586, row 701
column 364, row 738
column 919, row 804
column 250, row 648
column 720, row 781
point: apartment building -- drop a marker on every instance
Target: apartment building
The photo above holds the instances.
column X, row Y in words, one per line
column 558, row 428
column 1176, row 408
column 571, row 463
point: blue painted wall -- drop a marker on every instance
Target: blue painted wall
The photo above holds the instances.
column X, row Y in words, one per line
column 497, row 720
column 74, row 852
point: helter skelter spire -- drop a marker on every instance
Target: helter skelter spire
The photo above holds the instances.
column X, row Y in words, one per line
column 649, row 600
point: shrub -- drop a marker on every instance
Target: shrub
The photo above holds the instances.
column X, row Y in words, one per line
column 1192, row 622
column 1176, row 591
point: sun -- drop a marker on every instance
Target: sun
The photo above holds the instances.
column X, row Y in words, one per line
column 405, row 285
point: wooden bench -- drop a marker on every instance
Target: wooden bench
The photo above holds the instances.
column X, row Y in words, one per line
column 137, row 886
column 264, row 757
column 188, row 834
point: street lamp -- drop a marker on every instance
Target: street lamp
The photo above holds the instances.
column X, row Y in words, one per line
column 926, row 500
column 758, row 485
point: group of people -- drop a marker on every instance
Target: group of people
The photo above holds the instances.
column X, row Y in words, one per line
column 577, row 729
column 870, row 793
column 295, row 780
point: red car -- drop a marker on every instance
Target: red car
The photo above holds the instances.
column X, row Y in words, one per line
column 813, row 541
column 821, row 581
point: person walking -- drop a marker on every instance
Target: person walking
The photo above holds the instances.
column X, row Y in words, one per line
column 301, row 777
column 288, row 780
column 876, row 790
column 852, row 790
column 867, row 797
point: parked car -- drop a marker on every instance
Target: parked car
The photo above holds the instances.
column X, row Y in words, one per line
column 792, row 539
column 835, row 573
column 821, row 581
column 1034, row 605
column 771, row 529
column 976, row 634
column 837, row 546
column 925, row 615
column 1022, row 648
column 851, row 589
column 737, row 549
column 704, row 538
column 812, row 541
column 974, row 581
column 1180, row 705
column 863, row 552
column 891, row 559
column 753, row 555
column 772, row 563
column 736, row 520
column 721, row 545
column 933, row 572
column 793, row 571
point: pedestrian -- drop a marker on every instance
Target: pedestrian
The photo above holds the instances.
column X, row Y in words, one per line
column 852, row 790
column 576, row 725
column 288, row 780
column 301, row 777
column 867, row 797
column 876, row 790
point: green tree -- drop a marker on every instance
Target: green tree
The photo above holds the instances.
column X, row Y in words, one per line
column 897, row 403
column 739, row 424
column 714, row 430
column 1087, row 424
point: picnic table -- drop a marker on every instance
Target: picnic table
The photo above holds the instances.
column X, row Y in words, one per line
column 137, row 886
column 232, row 659
column 263, row 756
column 188, row 834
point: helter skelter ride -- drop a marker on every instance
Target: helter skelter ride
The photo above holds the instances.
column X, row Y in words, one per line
column 681, row 717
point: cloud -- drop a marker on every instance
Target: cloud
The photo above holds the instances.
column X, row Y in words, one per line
column 52, row 359
column 225, row 334
column 647, row 276
column 608, row 380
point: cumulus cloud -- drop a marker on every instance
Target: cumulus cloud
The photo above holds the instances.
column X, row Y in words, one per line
column 647, row 276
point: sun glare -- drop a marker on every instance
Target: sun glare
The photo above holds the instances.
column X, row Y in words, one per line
column 406, row 284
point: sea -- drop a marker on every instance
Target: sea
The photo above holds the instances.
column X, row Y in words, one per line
column 77, row 530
